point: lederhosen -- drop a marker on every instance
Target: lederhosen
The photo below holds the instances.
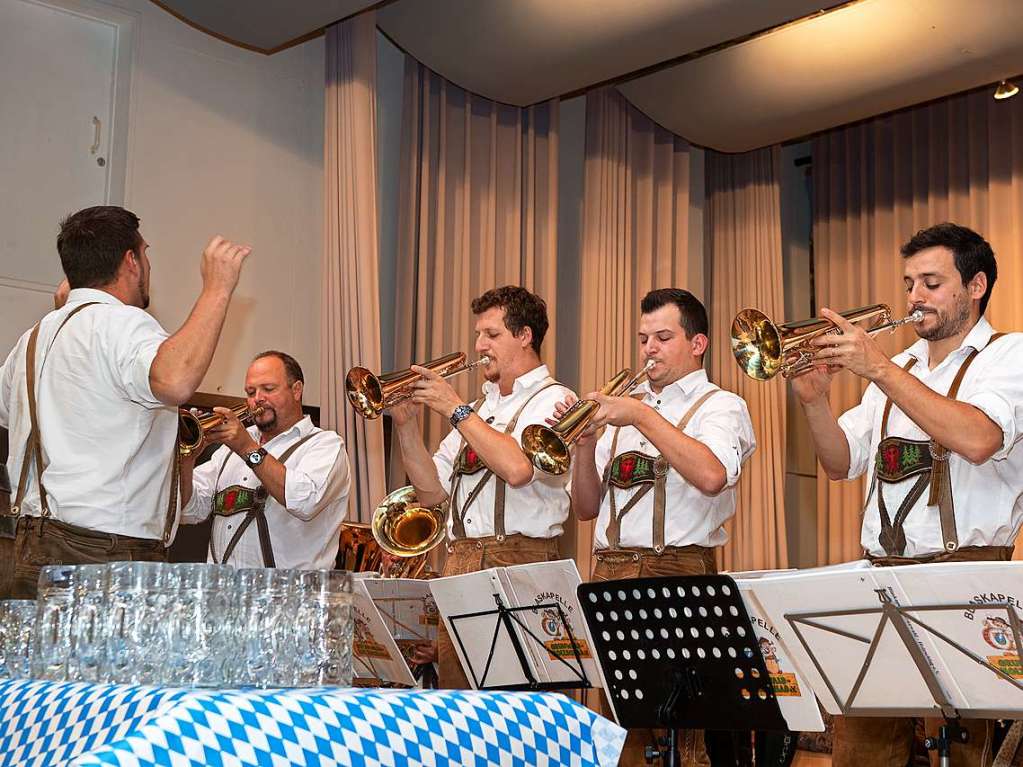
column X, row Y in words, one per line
column 899, row 459
column 634, row 468
column 251, row 502
column 34, row 446
column 468, row 463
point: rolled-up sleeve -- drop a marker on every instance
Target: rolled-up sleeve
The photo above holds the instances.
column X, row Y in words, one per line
column 1000, row 397
column 725, row 428
column 204, row 488
column 318, row 476
column 136, row 338
column 444, row 458
column 858, row 425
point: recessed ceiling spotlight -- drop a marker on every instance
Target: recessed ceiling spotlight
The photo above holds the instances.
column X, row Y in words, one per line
column 1005, row 90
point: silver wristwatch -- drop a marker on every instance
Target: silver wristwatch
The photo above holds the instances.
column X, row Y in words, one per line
column 460, row 414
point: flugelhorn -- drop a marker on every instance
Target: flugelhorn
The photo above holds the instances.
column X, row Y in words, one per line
column 763, row 348
column 192, row 428
column 547, row 447
column 371, row 395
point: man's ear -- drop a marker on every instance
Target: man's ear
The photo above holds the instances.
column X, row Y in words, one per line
column 977, row 286
column 296, row 390
column 699, row 342
column 526, row 336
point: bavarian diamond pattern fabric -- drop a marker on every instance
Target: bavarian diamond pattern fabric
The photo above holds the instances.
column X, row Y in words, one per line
column 84, row 725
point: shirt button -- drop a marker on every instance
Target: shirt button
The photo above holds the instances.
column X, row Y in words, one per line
column 658, row 402
column 468, row 521
column 490, row 419
column 642, row 443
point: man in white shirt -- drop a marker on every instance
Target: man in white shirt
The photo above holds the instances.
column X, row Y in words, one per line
column 93, row 417
column 502, row 511
column 279, row 489
column 661, row 480
column 938, row 427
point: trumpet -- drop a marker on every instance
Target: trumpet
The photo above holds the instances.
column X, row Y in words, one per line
column 764, row 349
column 547, row 447
column 402, row 527
column 192, row 429
column 371, row 395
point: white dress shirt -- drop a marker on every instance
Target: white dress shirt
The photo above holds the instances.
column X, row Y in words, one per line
column 107, row 440
column 691, row 517
column 539, row 508
column 304, row 535
column 987, row 496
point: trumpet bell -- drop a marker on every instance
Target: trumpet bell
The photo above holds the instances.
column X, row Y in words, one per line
column 757, row 344
column 547, row 451
column 190, row 433
column 364, row 392
column 404, row 528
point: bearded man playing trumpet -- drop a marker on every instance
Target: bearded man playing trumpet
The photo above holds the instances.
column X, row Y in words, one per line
column 278, row 491
column 939, row 428
column 661, row 481
column 502, row 511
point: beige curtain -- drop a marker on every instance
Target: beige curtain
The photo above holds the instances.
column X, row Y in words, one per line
column 875, row 184
column 350, row 311
column 478, row 208
column 743, row 230
column 635, row 230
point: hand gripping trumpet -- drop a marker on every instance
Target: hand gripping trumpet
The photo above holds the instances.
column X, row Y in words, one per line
column 371, row 395
column 764, row 349
column 192, row 428
column 547, row 447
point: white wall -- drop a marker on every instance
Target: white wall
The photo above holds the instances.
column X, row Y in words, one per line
column 221, row 140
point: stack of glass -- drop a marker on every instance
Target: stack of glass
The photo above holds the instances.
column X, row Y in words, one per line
column 196, row 625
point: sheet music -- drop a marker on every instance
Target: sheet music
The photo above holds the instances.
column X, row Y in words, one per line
column 376, row 657
column 552, row 583
column 408, row 610
column 518, row 586
column 473, row 637
column 795, row 697
column 892, row 680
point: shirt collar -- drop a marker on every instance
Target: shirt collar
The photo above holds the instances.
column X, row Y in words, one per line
column 687, row 384
column 524, row 381
column 84, row 295
column 978, row 337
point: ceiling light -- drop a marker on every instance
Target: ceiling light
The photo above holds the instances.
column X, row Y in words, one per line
column 1005, row 90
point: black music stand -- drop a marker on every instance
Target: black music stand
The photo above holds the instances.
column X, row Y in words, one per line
column 679, row 653
column 508, row 625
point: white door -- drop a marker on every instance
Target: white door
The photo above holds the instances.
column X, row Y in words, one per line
column 58, row 78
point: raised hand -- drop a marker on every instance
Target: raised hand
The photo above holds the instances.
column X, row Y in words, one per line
column 221, row 264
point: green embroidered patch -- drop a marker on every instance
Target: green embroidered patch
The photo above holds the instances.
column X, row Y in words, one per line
column 234, row 500
column 898, row 458
column 634, row 468
column 468, row 461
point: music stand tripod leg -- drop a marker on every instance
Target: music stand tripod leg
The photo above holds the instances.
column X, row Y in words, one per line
column 949, row 733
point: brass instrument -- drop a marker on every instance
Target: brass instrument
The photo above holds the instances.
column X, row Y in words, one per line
column 402, row 528
column 192, row 428
column 371, row 395
column 763, row 348
column 547, row 447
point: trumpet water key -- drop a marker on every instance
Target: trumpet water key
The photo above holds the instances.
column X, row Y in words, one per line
column 371, row 395
column 192, row 429
column 763, row 348
column 547, row 447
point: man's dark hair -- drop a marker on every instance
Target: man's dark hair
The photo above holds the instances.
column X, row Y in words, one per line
column 692, row 313
column 93, row 241
column 291, row 367
column 521, row 309
column 972, row 252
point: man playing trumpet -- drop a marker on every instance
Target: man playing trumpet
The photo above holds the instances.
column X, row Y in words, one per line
column 939, row 427
column 502, row 512
column 279, row 489
column 661, row 481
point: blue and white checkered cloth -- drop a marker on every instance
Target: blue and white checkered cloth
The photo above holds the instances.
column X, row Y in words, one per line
column 77, row 724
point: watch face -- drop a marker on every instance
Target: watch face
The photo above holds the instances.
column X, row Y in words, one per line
column 255, row 457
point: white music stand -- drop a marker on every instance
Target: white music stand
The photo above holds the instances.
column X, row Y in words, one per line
column 939, row 640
